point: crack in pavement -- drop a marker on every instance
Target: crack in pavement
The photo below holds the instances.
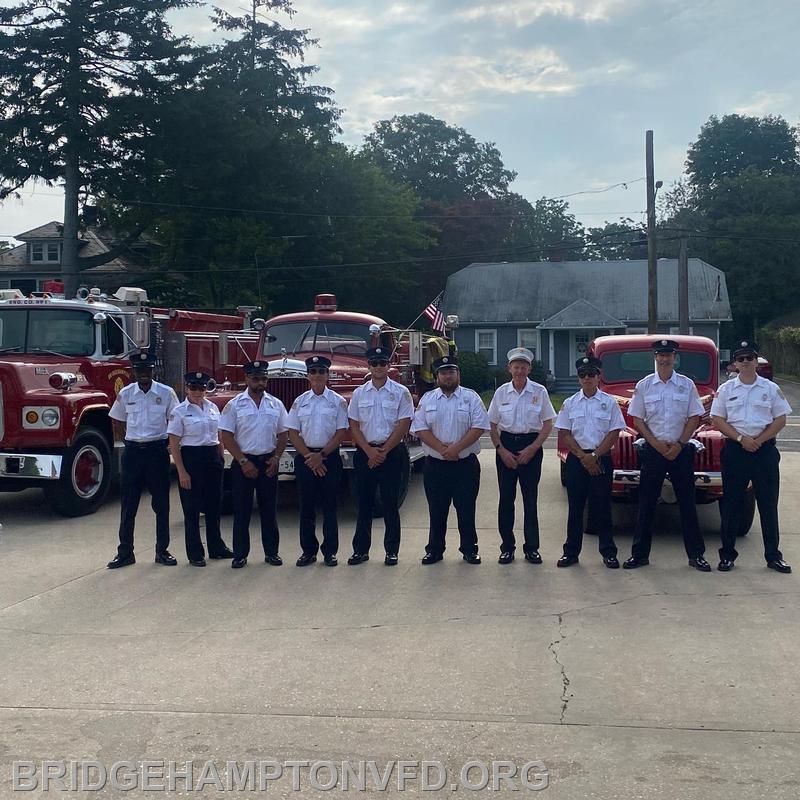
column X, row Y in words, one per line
column 566, row 696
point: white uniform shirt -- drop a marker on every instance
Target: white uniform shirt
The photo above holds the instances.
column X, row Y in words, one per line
column 318, row 416
column 666, row 405
column 145, row 413
column 521, row 412
column 749, row 409
column 449, row 418
column 197, row 425
column 379, row 410
column 590, row 419
column 254, row 427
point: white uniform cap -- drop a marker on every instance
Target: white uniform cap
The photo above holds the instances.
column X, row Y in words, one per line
column 519, row 354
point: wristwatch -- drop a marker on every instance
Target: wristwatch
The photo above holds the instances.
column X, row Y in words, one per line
column 243, row 460
column 594, row 454
column 739, row 438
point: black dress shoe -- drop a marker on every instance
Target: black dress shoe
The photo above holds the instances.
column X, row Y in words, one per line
column 238, row 563
column 197, row 562
column 700, row 564
column 273, row 561
column 166, row 558
column 330, row 561
column 226, row 553
column 390, row 560
column 472, row 558
column 306, row 559
column 505, row 558
column 779, row 566
column 725, row 565
column 567, row 561
column 431, row 558
column 612, row 562
column 533, row 557
column 121, row 561
column 635, row 563
column 358, row 558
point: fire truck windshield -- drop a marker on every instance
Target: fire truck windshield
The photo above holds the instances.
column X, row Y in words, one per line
column 59, row 330
column 630, row 366
column 323, row 336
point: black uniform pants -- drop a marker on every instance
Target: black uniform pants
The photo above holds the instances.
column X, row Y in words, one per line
column 455, row 482
column 653, row 469
column 528, row 476
column 205, row 466
column 387, row 478
column 581, row 486
column 144, row 465
column 319, row 490
column 738, row 468
column 266, row 490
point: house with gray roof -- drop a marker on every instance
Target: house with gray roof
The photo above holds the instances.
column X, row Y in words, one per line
column 38, row 259
column 556, row 308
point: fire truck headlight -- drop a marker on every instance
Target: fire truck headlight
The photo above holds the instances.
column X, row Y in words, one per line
column 50, row 417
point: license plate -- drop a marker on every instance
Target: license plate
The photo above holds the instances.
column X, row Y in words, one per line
column 286, row 464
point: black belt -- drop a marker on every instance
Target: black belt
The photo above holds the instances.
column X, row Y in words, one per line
column 520, row 435
column 199, row 446
column 259, row 456
column 143, row 445
column 377, row 444
column 769, row 441
column 315, row 449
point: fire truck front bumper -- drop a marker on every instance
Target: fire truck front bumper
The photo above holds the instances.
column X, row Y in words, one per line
column 37, row 466
column 702, row 480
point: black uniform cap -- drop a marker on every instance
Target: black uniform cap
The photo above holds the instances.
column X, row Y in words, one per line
column 665, row 346
column 445, row 362
column 588, row 364
column 143, row 360
column 256, row 368
column 318, row 361
column 196, row 379
column 378, row 354
column 745, row 347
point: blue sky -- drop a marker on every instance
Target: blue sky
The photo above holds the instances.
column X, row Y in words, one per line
column 565, row 88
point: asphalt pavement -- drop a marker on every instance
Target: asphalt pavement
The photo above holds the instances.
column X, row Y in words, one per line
column 658, row 683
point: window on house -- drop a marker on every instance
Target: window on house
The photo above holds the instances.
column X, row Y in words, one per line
column 52, row 252
column 44, row 252
column 529, row 337
column 37, row 252
column 486, row 345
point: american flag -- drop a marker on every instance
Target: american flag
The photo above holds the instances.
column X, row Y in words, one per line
column 434, row 313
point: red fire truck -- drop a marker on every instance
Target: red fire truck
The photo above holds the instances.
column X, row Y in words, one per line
column 62, row 363
column 343, row 337
column 626, row 360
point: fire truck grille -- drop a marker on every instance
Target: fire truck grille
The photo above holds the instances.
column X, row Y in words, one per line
column 624, row 453
column 287, row 389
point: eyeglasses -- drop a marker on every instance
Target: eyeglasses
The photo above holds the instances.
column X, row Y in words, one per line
column 317, row 371
column 196, row 388
column 582, row 375
column 745, row 358
column 378, row 363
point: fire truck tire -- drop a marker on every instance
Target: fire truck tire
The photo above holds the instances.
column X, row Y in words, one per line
column 85, row 476
column 749, row 513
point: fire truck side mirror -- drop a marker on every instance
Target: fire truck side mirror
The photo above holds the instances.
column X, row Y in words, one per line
column 99, row 318
column 211, row 386
column 415, row 348
column 141, row 329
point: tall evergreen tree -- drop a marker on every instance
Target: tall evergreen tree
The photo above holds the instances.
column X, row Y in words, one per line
column 78, row 80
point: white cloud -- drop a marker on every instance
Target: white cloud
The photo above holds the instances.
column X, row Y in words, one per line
column 523, row 12
column 766, row 102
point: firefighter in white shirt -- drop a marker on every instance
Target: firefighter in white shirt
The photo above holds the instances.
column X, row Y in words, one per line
column 253, row 428
column 591, row 422
column 139, row 416
column 196, row 450
column 380, row 414
column 449, row 422
column 521, row 416
column 666, row 410
column 317, row 425
column 750, row 411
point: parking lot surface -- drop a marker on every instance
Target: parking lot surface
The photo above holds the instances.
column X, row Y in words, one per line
column 661, row 682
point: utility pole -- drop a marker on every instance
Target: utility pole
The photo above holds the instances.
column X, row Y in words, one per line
column 683, row 287
column 652, row 262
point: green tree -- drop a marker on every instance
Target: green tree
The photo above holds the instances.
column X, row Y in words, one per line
column 77, row 79
column 616, row 241
column 440, row 162
column 727, row 147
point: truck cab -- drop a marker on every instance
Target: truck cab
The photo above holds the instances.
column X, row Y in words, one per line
column 626, row 360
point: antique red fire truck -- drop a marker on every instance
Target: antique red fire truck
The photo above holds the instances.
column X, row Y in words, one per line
column 626, row 360
column 343, row 337
column 62, row 363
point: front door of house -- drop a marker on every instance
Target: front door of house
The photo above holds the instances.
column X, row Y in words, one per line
column 579, row 344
